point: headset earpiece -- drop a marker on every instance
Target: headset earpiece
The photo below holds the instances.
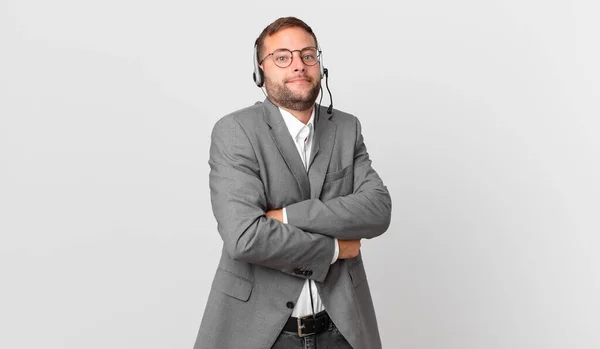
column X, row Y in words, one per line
column 258, row 72
column 321, row 66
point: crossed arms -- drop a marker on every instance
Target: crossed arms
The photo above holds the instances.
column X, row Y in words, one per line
column 239, row 205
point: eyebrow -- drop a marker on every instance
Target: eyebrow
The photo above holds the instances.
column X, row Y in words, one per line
column 300, row 49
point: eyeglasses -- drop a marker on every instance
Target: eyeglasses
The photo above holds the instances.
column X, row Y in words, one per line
column 283, row 57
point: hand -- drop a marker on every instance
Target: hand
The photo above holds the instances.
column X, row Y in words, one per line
column 348, row 248
column 275, row 214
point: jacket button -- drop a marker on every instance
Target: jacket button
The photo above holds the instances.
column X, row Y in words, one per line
column 308, row 273
column 298, row 271
column 290, row 305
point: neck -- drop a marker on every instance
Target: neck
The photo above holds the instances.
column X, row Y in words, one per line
column 302, row 115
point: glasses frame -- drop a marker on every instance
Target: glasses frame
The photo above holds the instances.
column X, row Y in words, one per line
column 292, row 59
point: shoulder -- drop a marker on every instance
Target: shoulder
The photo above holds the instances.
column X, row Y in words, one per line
column 247, row 115
column 345, row 120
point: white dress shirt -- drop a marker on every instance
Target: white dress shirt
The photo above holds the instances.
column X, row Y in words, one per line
column 303, row 136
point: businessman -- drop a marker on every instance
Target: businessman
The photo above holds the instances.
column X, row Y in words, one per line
column 293, row 192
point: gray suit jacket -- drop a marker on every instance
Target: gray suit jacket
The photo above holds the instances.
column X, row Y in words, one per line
column 255, row 167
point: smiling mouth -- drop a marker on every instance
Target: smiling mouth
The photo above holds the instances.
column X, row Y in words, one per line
column 298, row 80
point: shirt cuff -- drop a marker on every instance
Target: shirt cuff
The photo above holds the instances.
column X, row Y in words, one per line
column 336, row 253
column 284, row 216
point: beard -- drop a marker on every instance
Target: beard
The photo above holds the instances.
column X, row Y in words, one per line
column 284, row 97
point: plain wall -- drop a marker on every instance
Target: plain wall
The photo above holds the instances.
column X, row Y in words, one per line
column 480, row 116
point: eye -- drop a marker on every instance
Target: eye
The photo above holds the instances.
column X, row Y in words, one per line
column 282, row 57
column 308, row 57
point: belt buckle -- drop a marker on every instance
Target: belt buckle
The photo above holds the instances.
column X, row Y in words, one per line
column 302, row 326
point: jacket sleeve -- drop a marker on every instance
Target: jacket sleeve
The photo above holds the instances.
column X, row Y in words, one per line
column 365, row 213
column 239, row 203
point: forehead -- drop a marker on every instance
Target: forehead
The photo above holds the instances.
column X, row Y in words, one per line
column 293, row 38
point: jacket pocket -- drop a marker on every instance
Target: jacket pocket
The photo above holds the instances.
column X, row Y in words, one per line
column 357, row 274
column 232, row 285
column 332, row 176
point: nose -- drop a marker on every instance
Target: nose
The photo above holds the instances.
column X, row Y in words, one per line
column 297, row 64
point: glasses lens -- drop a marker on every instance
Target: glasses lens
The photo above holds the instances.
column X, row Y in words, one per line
column 282, row 58
column 310, row 56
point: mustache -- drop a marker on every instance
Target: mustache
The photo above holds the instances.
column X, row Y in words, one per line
column 305, row 77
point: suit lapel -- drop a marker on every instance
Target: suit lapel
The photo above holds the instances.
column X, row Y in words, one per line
column 322, row 150
column 286, row 146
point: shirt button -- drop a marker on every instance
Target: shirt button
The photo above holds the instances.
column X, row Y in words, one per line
column 290, row 305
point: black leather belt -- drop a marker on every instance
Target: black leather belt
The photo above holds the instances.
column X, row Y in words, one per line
column 307, row 325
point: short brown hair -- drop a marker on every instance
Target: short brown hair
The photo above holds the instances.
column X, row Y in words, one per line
column 280, row 24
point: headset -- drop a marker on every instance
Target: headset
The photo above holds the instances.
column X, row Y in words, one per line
column 259, row 77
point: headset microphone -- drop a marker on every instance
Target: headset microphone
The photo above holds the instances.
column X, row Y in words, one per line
column 330, row 108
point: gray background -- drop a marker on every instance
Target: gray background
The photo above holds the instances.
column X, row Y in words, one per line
column 480, row 116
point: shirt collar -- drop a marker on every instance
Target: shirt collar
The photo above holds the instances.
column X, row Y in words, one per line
column 293, row 124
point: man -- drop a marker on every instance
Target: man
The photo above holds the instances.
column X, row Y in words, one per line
column 293, row 192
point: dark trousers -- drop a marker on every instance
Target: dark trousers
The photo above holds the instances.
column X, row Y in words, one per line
column 330, row 339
